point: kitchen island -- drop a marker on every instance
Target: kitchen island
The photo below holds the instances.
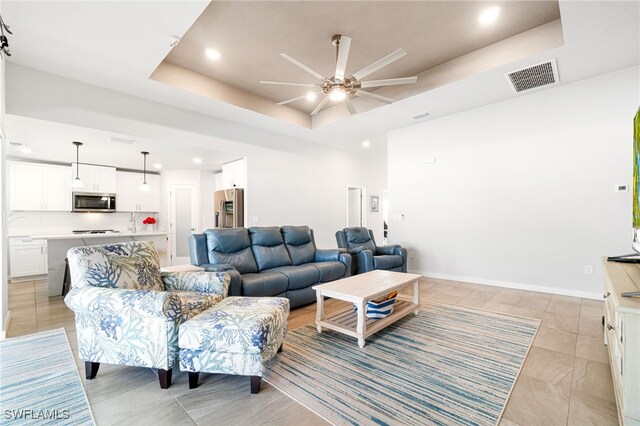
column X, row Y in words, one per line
column 59, row 244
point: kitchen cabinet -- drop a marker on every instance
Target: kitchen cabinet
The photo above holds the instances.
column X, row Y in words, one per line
column 100, row 179
column 234, row 175
column 129, row 198
column 27, row 257
column 39, row 187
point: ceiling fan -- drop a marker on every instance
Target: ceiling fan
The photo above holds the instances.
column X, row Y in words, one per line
column 340, row 87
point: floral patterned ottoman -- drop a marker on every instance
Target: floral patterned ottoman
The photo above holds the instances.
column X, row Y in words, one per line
column 239, row 335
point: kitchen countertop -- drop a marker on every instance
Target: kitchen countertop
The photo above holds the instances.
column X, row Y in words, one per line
column 81, row 236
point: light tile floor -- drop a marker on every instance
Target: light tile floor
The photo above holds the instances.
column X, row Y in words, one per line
column 565, row 379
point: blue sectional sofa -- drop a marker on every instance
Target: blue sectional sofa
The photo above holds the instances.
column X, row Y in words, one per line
column 269, row 261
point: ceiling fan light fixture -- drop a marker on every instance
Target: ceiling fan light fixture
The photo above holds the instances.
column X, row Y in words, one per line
column 337, row 94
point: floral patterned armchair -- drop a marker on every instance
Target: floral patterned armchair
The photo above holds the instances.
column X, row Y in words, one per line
column 127, row 312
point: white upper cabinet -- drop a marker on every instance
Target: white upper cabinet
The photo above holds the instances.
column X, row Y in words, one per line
column 129, row 198
column 234, row 175
column 99, row 179
column 39, row 187
column 58, row 188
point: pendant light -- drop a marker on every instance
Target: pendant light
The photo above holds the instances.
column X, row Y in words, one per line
column 77, row 183
column 145, row 186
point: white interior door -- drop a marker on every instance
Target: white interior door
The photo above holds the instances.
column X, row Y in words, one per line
column 183, row 220
column 355, row 214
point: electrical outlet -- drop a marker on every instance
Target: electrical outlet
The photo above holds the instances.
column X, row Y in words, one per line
column 256, row 219
column 588, row 269
column 412, row 254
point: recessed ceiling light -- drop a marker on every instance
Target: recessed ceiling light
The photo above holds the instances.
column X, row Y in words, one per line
column 157, row 166
column 311, row 96
column 489, row 16
column 213, row 54
column 366, row 143
column 197, row 160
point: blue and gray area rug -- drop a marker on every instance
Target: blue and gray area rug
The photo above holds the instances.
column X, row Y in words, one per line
column 448, row 365
column 39, row 382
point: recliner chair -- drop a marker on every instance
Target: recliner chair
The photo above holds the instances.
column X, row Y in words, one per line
column 366, row 255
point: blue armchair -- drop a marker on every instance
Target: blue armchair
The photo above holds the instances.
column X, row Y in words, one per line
column 366, row 255
column 127, row 312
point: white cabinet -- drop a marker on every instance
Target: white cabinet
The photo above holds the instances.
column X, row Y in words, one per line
column 234, row 175
column 27, row 257
column 129, row 198
column 100, row 179
column 622, row 337
column 39, row 187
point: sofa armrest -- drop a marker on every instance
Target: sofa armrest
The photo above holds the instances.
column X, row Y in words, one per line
column 132, row 303
column 202, row 282
column 346, row 259
column 388, row 250
column 198, row 249
column 363, row 261
column 235, row 285
column 325, row 255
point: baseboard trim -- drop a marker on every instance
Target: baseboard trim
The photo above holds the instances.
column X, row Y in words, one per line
column 508, row 284
column 7, row 323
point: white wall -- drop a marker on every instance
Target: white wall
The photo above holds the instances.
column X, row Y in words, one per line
column 522, row 192
column 305, row 185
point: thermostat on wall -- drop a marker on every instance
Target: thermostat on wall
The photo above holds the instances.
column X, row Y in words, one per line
column 622, row 188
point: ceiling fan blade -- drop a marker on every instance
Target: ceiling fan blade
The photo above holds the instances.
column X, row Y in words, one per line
column 363, row 94
column 283, row 83
column 388, row 82
column 381, row 63
column 296, row 99
column 349, row 105
column 302, row 66
column 321, row 105
column 291, row 100
column 343, row 54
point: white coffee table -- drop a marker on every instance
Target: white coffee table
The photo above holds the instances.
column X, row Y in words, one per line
column 360, row 289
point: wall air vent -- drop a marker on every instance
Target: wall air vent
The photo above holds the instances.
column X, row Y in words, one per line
column 533, row 77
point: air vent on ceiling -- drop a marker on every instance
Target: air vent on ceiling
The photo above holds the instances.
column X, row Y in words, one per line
column 533, row 77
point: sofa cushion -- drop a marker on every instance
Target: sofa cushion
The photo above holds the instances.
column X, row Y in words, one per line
column 299, row 244
column 231, row 246
column 132, row 265
column 359, row 237
column 330, row 271
column 387, row 262
column 265, row 284
column 299, row 276
column 268, row 247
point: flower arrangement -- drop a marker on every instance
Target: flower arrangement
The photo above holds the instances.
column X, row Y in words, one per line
column 150, row 221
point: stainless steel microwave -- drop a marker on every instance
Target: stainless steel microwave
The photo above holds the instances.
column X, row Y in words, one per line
column 93, row 202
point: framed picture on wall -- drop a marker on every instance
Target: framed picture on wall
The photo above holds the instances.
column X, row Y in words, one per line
column 374, row 204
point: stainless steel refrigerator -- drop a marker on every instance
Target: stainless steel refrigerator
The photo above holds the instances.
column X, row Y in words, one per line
column 228, row 206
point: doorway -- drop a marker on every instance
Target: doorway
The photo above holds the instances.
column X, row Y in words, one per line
column 183, row 219
column 355, row 201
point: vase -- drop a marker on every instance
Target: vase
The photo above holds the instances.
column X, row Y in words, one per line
column 149, row 227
